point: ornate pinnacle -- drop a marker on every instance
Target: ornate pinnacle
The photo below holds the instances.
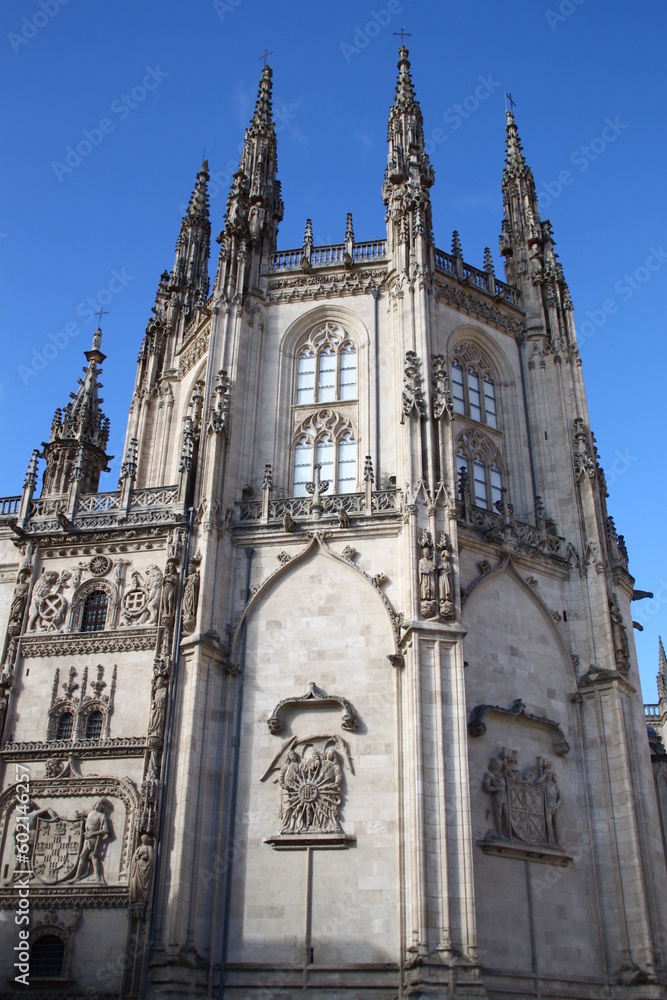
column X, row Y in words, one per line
column 349, row 229
column 368, row 470
column 488, row 261
column 31, row 472
column 456, row 245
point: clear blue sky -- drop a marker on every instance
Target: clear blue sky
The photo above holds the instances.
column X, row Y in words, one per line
column 191, row 71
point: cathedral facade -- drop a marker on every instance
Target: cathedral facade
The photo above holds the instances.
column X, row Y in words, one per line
column 336, row 695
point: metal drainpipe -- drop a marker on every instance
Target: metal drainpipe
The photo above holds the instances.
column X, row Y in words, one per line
column 519, row 343
column 166, row 759
column 235, row 780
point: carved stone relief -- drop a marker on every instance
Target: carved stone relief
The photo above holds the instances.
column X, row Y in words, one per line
column 141, row 603
column 524, row 806
column 309, row 773
column 49, row 606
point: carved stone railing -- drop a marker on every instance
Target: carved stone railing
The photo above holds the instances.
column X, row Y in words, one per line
column 476, row 278
column 9, row 506
column 652, row 711
column 156, row 505
column 120, row 746
column 383, row 502
column 497, row 527
column 329, row 256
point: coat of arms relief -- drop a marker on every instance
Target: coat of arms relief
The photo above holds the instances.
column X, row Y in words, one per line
column 524, row 805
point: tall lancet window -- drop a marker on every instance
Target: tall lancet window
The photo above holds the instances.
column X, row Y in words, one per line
column 478, row 455
column 473, row 385
column 327, row 367
column 327, row 439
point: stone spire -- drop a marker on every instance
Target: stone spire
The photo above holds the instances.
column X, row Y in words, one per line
column 254, row 205
column 189, row 278
column 527, row 244
column 522, row 217
column 409, row 174
column 662, row 671
column 76, row 449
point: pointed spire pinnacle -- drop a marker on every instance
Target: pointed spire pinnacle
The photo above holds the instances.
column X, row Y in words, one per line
column 456, row 245
column 254, row 205
column 662, row 670
column 198, row 207
column 349, row 229
column 262, row 117
column 488, row 261
column 514, row 159
column 409, row 174
column 80, row 433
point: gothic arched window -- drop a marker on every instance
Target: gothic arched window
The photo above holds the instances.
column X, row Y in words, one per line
column 327, row 367
column 93, row 729
column 47, row 957
column 478, row 457
column 326, row 439
column 64, row 726
column 94, row 614
column 473, row 385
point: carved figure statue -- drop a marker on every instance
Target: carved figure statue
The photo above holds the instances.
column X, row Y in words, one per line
column 152, row 589
column 95, row 833
column 494, row 785
column 169, row 585
column 191, row 597
column 288, row 523
column 551, row 804
column 19, row 600
column 141, row 871
column 427, row 577
column 158, row 707
column 620, row 636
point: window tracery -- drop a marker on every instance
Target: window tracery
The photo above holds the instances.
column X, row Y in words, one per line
column 478, row 457
column 473, row 385
column 327, row 367
column 326, row 438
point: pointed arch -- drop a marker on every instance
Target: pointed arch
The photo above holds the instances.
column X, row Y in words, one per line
column 507, row 567
column 316, row 544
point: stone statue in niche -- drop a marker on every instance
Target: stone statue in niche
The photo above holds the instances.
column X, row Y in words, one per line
column 427, row 577
column 158, row 707
column 95, row 833
column 445, row 578
column 620, row 636
column 524, row 806
column 19, row 602
column 141, row 875
column 310, row 778
column 169, row 585
column 191, row 597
